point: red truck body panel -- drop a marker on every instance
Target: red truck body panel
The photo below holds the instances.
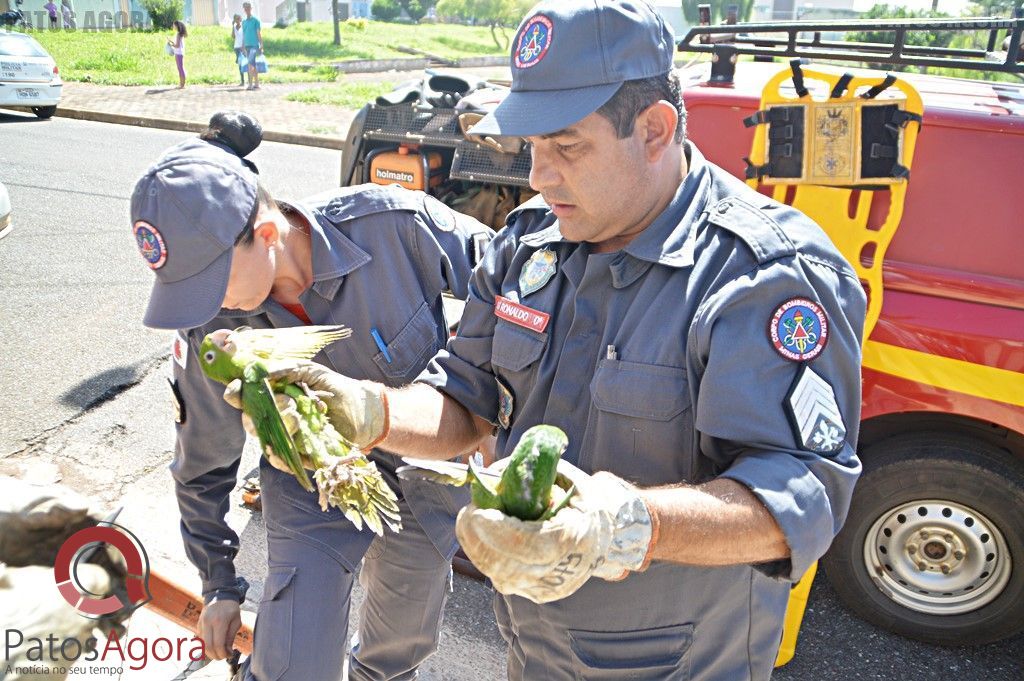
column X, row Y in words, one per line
column 954, row 272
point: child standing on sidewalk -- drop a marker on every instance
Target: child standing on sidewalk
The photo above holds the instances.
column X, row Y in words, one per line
column 238, row 37
column 178, row 43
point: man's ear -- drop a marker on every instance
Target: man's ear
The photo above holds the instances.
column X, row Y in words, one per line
column 266, row 229
column 658, row 124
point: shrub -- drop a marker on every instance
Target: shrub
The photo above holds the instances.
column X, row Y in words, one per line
column 416, row 10
column 385, row 10
column 163, row 13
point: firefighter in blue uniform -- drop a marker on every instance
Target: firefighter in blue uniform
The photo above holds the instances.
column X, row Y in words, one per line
column 376, row 259
column 697, row 341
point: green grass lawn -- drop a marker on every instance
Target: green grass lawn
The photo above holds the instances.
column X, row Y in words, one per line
column 299, row 53
column 347, row 95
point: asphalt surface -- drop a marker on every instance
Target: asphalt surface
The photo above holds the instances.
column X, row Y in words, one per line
column 74, row 287
column 83, row 399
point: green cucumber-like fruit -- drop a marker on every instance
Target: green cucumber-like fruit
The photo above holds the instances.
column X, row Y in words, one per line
column 525, row 487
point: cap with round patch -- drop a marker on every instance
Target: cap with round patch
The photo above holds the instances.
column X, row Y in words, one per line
column 798, row 329
column 187, row 211
column 569, row 57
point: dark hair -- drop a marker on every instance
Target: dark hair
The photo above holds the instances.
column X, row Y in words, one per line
column 634, row 96
column 179, row 26
column 263, row 200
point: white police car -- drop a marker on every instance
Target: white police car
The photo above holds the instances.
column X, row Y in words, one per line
column 28, row 75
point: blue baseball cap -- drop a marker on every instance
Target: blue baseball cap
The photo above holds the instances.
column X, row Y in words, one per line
column 187, row 211
column 570, row 56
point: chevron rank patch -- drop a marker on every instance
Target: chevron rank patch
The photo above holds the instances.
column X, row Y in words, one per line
column 813, row 413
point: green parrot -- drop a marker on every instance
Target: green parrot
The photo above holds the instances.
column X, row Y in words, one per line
column 529, row 487
column 302, row 433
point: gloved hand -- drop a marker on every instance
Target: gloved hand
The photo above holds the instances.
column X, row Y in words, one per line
column 34, row 522
column 31, row 609
column 606, row 531
column 358, row 409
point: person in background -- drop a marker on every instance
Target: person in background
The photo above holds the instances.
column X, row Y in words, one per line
column 178, row 43
column 67, row 14
column 713, row 451
column 252, row 43
column 237, row 38
column 51, row 10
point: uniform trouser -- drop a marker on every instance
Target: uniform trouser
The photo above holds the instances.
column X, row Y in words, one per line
column 303, row 617
column 670, row 623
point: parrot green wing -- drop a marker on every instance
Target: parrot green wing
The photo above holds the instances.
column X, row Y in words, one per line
column 258, row 403
column 295, row 343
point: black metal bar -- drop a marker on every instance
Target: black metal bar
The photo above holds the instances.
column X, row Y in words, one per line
column 897, row 48
column 1013, row 50
column 993, row 36
column 896, row 51
column 980, row 24
column 864, row 47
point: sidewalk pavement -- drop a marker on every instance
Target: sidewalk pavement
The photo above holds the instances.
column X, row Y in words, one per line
column 133, row 437
column 190, row 109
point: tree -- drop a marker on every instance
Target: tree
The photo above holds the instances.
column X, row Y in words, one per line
column 415, row 9
column 918, row 38
column 334, row 18
column 163, row 13
column 497, row 14
column 386, row 10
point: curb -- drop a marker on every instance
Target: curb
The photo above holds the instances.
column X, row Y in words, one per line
column 191, row 126
column 414, row 64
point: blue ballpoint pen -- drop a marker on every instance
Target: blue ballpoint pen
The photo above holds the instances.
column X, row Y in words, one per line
column 380, row 344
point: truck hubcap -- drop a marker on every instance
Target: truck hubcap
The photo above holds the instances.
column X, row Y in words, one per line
column 937, row 557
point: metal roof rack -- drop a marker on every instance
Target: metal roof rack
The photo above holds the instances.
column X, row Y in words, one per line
column 727, row 41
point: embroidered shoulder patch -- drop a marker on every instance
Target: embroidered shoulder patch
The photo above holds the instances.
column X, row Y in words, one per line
column 798, row 329
column 814, row 414
column 441, row 214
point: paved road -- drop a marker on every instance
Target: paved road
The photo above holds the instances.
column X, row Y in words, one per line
column 74, row 287
column 72, row 291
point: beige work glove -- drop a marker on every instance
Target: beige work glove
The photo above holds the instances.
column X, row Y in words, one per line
column 31, row 609
column 606, row 531
column 357, row 409
column 35, row 520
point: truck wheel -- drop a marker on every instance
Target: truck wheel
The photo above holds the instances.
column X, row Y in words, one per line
column 933, row 548
column 44, row 112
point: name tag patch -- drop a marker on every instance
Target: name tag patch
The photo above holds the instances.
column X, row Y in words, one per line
column 179, row 349
column 521, row 315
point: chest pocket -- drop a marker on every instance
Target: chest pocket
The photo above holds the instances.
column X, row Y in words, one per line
column 514, row 348
column 410, row 349
column 641, row 426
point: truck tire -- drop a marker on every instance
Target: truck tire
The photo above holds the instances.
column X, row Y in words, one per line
column 44, row 112
column 933, row 548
